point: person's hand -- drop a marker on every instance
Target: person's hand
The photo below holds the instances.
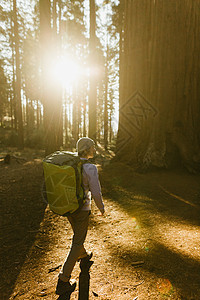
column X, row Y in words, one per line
column 102, row 212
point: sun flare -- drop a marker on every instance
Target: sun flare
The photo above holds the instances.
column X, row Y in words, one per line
column 65, row 71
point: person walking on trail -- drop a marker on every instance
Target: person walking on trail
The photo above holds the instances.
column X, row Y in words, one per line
column 80, row 218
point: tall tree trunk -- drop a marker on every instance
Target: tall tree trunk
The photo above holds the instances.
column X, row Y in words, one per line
column 18, row 80
column 60, row 98
column 14, row 122
column 106, row 102
column 75, row 114
column 159, row 102
column 84, row 117
column 106, row 92
column 11, row 110
column 58, row 88
column 99, row 116
column 27, row 118
column 110, row 127
column 92, row 85
column 120, row 134
column 45, row 42
column 79, row 116
column 38, row 115
column 51, row 106
column 66, row 123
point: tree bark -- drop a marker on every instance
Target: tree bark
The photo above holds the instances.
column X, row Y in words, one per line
column 159, row 106
column 58, row 87
column 52, row 107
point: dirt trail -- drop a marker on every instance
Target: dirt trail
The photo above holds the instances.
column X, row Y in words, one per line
column 151, row 218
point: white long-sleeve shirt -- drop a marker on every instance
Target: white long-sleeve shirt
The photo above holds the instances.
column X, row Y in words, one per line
column 91, row 187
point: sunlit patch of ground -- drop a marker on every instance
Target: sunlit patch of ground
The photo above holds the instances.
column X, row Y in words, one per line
column 182, row 238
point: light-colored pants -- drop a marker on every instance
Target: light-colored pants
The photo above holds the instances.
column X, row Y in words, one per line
column 79, row 222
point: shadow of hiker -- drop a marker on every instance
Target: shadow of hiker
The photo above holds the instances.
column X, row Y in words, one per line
column 66, row 296
column 84, row 282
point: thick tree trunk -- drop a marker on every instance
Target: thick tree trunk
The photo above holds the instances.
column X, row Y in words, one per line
column 49, row 94
column 58, row 88
column 159, row 101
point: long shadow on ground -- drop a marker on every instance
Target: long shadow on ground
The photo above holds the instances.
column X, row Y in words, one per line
column 21, row 212
column 183, row 272
column 142, row 197
column 153, row 191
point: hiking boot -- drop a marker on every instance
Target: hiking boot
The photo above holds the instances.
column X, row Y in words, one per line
column 64, row 287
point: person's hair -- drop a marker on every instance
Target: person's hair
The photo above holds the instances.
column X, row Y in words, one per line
column 84, row 152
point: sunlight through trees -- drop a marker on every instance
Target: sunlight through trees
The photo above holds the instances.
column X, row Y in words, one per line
column 54, row 61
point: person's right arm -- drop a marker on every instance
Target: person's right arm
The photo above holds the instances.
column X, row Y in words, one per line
column 95, row 188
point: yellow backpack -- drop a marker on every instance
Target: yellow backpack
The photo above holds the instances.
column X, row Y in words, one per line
column 63, row 181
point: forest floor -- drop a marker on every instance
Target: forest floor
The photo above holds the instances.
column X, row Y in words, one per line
column 145, row 247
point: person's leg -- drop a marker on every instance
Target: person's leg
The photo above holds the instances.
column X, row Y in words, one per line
column 83, row 252
column 79, row 222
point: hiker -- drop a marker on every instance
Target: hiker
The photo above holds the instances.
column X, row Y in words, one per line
column 79, row 219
